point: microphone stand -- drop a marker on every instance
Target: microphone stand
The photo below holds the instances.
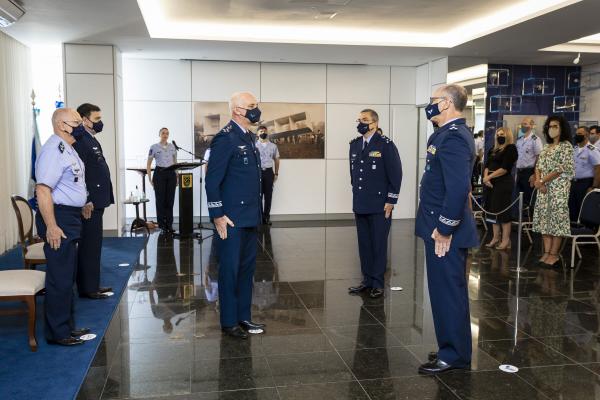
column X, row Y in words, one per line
column 199, row 226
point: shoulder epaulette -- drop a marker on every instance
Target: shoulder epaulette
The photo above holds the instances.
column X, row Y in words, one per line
column 356, row 139
column 227, row 128
column 591, row 146
column 453, row 127
column 61, row 147
column 534, row 137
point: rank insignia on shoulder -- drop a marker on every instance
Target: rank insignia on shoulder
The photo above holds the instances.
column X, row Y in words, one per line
column 534, row 137
column 591, row 147
column 432, row 149
column 61, row 147
column 376, row 154
column 227, row 128
column 453, row 127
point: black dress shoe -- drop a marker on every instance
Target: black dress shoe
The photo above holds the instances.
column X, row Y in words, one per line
column 249, row 325
column 437, row 366
column 66, row 342
column 236, row 332
column 95, row 295
column 357, row 289
column 376, row 293
column 80, row 332
column 104, row 289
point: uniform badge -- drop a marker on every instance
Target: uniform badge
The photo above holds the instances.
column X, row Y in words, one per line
column 61, row 147
column 453, row 127
column 376, row 154
column 242, row 147
column 432, row 149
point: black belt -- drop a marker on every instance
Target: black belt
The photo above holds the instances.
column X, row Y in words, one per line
column 67, row 208
column 265, row 169
column 582, row 179
column 159, row 169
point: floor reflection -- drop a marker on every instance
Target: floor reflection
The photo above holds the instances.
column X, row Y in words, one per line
column 165, row 341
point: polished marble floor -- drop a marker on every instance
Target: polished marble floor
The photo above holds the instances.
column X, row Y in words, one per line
column 165, row 342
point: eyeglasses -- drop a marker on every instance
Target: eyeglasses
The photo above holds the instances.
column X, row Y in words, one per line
column 77, row 123
column 364, row 122
column 431, row 99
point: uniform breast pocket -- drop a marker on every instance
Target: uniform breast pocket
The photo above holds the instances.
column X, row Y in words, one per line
column 375, row 164
column 77, row 172
column 243, row 157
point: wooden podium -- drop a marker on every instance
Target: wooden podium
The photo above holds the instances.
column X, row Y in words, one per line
column 185, row 181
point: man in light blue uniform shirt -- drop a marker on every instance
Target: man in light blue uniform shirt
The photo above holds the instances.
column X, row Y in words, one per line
column 529, row 147
column 61, row 194
column 269, row 161
column 587, row 171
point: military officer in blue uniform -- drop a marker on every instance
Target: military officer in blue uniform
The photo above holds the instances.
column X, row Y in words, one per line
column 587, row 171
column 233, row 191
column 100, row 196
column 445, row 223
column 61, row 194
column 376, row 176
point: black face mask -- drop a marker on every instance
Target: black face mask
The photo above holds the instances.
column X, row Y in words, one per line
column 253, row 115
column 362, row 128
column 78, row 131
column 97, row 126
column 501, row 140
column 579, row 138
column 263, row 136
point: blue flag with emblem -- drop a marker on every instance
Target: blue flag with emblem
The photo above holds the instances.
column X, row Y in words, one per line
column 35, row 150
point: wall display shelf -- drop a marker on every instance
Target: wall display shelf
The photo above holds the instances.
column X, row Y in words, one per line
column 498, row 77
column 505, row 103
column 563, row 104
column 538, row 87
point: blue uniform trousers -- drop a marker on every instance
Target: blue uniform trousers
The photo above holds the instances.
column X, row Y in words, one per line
column 165, row 183
column 449, row 296
column 579, row 189
column 237, row 262
column 90, row 248
column 372, row 231
column 523, row 185
column 61, row 268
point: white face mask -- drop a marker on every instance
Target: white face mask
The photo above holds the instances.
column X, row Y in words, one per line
column 554, row 132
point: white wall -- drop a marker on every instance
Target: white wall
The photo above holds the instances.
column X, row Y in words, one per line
column 592, row 95
column 92, row 74
column 160, row 93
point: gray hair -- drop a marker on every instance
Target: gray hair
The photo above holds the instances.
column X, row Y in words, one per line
column 372, row 113
column 236, row 100
column 457, row 95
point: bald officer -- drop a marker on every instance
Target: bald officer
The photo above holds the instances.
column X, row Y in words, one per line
column 587, row 171
column 233, row 185
column 61, row 194
column 445, row 223
column 529, row 147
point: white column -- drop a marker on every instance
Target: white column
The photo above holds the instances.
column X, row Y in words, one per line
column 92, row 74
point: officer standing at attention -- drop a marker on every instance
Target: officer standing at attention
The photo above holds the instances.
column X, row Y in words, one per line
column 164, row 182
column 529, row 147
column 100, row 196
column 233, row 183
column 446, row 224
column 61, row 194
column 376, row 176
column 269, row 159
column 587, row 171
column 594, row 134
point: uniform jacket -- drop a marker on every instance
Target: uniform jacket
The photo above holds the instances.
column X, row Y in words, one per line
column 375, row 174
column 233, row 186
column 446, row 184
column 97, row 174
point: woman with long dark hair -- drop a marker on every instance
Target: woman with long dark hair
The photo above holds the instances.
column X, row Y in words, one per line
column 553, row 173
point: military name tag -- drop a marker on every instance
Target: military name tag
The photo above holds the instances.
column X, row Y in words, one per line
column 376, row 154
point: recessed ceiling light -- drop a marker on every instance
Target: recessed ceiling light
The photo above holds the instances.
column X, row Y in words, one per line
column 161, row 25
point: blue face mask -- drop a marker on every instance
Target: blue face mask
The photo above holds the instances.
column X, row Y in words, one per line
column 78, row 131
column 432, row 110
column 97, row 127
column 522, row 132
column 362, row 128
column 253, row 115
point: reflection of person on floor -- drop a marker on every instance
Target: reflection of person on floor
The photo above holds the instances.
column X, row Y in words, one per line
column 166, row 291
column 265, row 293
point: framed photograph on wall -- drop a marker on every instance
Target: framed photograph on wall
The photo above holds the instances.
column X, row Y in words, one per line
column 298, row 129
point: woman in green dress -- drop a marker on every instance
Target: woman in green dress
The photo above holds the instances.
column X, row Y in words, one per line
column 553, row 173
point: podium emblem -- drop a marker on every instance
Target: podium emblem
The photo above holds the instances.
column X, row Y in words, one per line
column 186, row 181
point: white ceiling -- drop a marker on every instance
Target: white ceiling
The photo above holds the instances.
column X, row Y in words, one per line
column 120, row 22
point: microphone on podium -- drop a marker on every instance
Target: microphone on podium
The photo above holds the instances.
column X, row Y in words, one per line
column 175, row 144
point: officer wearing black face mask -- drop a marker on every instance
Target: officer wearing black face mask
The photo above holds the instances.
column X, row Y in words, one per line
column 233, row 191
column 376, row 176
column 587, row 171
column 100, row 196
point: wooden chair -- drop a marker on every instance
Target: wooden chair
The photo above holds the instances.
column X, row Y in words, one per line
column 22, row 285
column 32, row 246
